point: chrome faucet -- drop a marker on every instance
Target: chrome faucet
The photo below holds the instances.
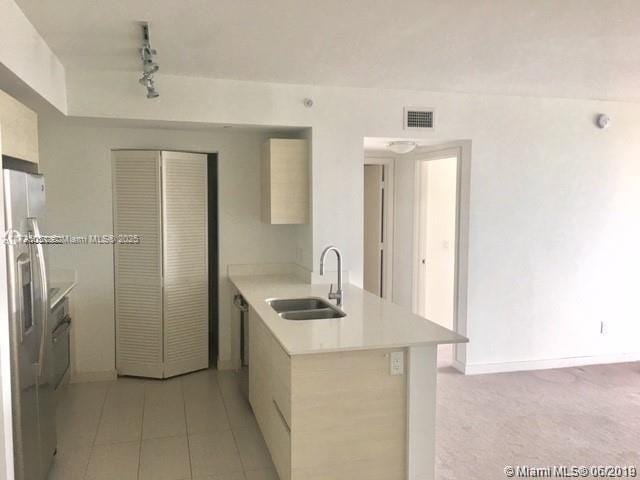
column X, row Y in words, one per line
column 337, row 295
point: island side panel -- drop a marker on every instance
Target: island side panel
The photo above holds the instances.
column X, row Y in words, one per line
column 348, row 417
column 421, row 412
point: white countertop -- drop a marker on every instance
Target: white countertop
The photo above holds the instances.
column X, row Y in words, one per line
column 371, row 321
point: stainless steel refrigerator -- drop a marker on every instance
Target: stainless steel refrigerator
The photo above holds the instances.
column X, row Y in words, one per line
column 33, row 401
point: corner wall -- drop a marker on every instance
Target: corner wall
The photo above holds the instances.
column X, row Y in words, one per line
column 76, row 162
column 28, row 58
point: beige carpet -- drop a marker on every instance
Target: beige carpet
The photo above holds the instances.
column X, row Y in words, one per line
column 571, row 416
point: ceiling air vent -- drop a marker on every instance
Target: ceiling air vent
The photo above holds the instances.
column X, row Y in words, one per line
column 418, row 118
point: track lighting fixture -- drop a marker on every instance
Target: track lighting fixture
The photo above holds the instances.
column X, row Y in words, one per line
column 149, row 65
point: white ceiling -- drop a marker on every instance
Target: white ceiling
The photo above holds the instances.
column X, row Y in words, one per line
column 560, row 48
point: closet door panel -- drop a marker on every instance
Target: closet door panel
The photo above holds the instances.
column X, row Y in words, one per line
column 185, row 262
column 138, row 267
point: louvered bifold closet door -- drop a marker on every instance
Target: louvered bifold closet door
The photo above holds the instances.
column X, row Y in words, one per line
column 186, row 323
column 138, row 267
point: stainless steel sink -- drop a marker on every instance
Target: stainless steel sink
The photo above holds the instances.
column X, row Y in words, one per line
column 317, row 314
column 309, row 308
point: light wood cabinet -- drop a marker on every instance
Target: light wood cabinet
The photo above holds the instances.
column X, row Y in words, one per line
column 270, row 393
column 285, row 181
column 332, row 415
column 19, row 129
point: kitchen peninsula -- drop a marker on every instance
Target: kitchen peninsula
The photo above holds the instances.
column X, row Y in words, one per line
column 342, row 398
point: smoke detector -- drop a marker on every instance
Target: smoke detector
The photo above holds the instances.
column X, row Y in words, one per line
column 603, row 121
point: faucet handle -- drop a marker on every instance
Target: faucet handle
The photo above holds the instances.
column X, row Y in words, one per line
column 331, row 295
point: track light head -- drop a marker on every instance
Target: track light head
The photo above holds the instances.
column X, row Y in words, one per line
column 149, row 66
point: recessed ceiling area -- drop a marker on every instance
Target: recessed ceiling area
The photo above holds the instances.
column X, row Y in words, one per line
column 568, row 48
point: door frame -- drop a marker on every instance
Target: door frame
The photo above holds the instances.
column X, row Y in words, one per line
column 462, row 154
column 388, row 218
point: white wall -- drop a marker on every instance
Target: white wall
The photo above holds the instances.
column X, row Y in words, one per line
column 555, row 202
column 76, row 162
column 25, row 54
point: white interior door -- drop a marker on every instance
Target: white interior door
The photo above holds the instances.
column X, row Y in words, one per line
column 138, row 268
column 185, row 233
column 437, row 239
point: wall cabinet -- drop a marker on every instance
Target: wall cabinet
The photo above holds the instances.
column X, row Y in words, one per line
column 19, row 129
column 161, row 283
column 285, row 181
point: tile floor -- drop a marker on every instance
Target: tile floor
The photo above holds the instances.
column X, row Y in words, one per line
column 198, row 427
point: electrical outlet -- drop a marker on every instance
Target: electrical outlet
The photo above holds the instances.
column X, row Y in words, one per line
column 396, row 363
column 604, row 328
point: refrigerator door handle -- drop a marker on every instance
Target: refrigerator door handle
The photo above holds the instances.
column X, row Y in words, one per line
column 44, row 290
column 24, row 310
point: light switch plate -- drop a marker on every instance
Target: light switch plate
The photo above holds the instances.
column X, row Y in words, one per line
column 396, row 363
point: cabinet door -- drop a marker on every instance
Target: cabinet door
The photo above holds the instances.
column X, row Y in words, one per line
column 269, row 393
column 185, row 262
column 19, row 129
column 138, row 268
column 285, row 181
column 259, row 396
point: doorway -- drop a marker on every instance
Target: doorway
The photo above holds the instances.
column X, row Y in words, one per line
column 436, row 227
column 378, row 226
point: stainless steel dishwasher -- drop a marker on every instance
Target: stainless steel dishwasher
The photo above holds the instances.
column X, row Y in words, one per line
column 61, row 326
column 242, row 305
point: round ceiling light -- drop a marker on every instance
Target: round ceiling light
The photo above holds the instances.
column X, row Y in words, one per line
column 402, row 146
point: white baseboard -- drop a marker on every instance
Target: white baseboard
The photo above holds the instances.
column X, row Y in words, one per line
column 503, row 367
column 458, row 366
column 86, row 377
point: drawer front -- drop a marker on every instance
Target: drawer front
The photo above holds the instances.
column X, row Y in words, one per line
column 259, row 396
column 280, row 379
column 280, row 442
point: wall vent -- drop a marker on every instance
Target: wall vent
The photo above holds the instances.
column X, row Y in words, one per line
column 418, row 118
